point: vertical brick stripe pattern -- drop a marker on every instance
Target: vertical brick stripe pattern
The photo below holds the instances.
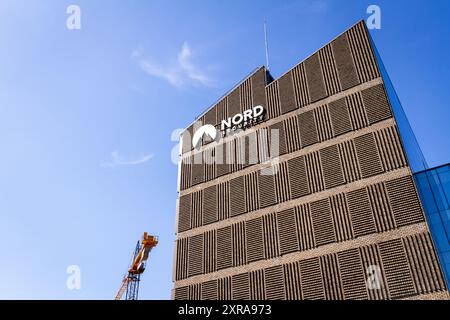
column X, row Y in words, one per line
column 288, row 230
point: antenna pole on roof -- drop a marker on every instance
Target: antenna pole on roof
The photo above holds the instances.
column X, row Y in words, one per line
column 266, row 45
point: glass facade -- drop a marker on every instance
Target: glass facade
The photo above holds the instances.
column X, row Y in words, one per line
column 412, row 149
column 434, row 190
column 433, row 184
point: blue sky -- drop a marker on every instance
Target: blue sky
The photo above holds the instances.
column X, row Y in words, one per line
column 86, row 117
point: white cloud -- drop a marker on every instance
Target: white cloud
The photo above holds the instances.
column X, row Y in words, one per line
column 119, row 160
column 183, row 72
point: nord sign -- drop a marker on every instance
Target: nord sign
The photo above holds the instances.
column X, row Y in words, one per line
column 244, row 119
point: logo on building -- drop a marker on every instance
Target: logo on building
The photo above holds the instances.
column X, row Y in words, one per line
column 241, row 121
column 207, row 130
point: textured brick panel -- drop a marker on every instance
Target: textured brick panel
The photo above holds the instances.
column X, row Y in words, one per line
column 404, row 201
column 223, row 158
column 274, row 283
column 341, row 217
column 241, row 287
column 266, row 187
column 314, row 171
column 395, row 264
column 340, row 118
column 182, row 246
column 224, row 247
column 187, row 139
column 384, row 220
column 223, row 205
column 273, row 100
column 331, row 277
column 198, row 170
column 184, row 213
column 376, row 104
column 209, row 164
column 308, row 130
column 259, row 88
column 368, row 157
column 390, row 149
column 181, row 293
column 316, row 85
column 222, row 110
column 185, row 173
column 353, row 276
column 282, row 188
column 364, row 58
column 292, row 281
column 375, row 276
column 322, row 222
column 292, row 134
column 356, row 110
column 210, row 205
column 254, row 239
column 196, row 209
column 251, row 192
column 298, row 177
column 287, row 231
column 195, row 255
column 424, row 264
column 264, row 140
column 311, row 279
column 257, row 286
column 331, row 166
column 287, row 96
column 350, row 164
column 305, row 228
column 344, row 62
column 239, row 246
column 270, row 235
column 278, row 137
column 323, row 123
column 249, row 144
column 210, row 116
column 237, row 196
column 195, row 291
column 329, row 70
column 209, row 251
column 210, row 290
column 360, row 212
column 246, row 95
column 234, row 102
column 224, row 288
column 300, row 85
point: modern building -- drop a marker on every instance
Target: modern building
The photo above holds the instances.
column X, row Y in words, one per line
column 315, row 198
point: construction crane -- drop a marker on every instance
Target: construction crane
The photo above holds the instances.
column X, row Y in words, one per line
column 130, row 282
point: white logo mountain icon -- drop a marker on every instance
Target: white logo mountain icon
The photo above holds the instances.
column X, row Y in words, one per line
column 208, row 130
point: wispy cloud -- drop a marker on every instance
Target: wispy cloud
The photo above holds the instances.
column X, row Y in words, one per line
column 119, row 160
column 180, row 73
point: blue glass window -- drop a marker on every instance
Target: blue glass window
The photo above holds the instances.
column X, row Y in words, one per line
column 434, row 190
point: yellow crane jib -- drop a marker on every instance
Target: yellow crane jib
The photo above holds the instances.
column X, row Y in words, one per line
column 130, row 282
column 147, row 244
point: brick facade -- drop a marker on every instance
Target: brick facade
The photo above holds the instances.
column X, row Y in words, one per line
column 342, row 200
